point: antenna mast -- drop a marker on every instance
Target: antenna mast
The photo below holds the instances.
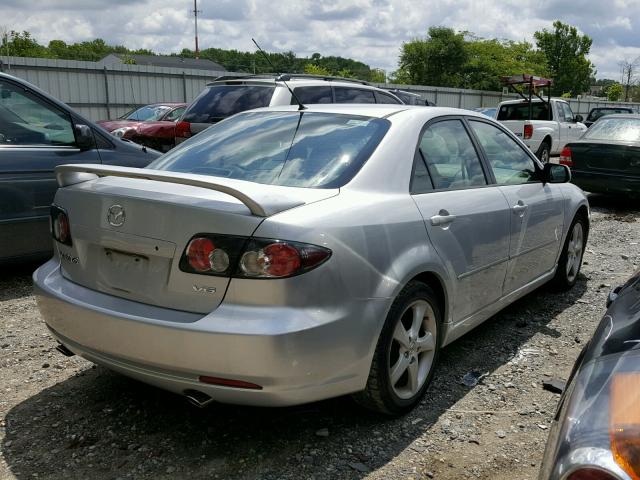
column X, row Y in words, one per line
column 195, row 17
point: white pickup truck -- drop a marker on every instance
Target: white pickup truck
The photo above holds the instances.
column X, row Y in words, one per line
column 545, row 133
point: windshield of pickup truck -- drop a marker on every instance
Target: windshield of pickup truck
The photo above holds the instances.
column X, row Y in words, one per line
column 520, row 111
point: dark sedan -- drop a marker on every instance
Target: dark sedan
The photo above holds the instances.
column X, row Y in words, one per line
column 606, row 159
column 152, row 125
column 38, row 133
column 596, row 431
column 599, row 112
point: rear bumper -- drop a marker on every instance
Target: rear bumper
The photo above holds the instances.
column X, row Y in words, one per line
column 297, row 356
column 597, row 182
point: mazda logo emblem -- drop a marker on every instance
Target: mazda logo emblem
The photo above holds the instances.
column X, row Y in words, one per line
column 116, row 215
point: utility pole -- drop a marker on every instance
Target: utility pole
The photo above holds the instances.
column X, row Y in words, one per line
column 195, row 17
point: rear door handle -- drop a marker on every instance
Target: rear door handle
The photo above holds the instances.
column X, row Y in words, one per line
column 442, row 219
column 520, row 208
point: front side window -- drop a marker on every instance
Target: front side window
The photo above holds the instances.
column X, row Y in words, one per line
column 385, row 98
column 174, row 115
column 311, row 95
column 26, row 119
column 222, row 101
column 511, row 165
column 568, row 113
column 353, row 95
column 298, row 149
column 450, row 156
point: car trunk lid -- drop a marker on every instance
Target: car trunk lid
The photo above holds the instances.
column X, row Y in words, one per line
column 129, row 234
column 609, row 157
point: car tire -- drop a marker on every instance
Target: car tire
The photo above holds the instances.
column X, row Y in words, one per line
column 570, row 260
column 406, row 353
column 544, row 152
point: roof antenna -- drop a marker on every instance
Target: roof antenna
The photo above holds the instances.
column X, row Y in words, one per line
column 281, row 77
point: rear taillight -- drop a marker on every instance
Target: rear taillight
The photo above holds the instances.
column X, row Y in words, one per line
column 565, row 157
column 241, row 257
column 590, row 474
column 528, row 131
column 183, row 129
column 60, row 228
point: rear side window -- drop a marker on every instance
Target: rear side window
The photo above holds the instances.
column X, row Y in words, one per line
column 310, row 95
column 520, row 111
column 220, row 101
column 450, row 156
column 353, row 95
column 298, row 149
column 385, row 98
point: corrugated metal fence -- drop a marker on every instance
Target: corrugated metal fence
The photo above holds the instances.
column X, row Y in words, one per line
column 99, row 92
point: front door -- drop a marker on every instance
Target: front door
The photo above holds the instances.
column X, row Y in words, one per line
column 467, row 220
column 537, row 209
column 35, row 137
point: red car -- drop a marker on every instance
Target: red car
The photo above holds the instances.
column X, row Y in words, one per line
column 152, row 125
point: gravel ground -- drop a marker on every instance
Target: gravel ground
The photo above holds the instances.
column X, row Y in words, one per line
column 64, row 418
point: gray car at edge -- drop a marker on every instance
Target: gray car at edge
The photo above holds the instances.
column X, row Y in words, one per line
column 286, row 256
column 38, row 133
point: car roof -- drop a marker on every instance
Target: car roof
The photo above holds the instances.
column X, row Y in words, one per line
column 612, row 108
column 634, row 116
column 374, row 110
column 298, row 81
column 533, row 100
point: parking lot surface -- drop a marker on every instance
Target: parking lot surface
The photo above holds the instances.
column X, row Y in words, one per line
column 64, row 418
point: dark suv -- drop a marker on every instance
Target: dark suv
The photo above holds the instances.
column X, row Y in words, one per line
column 229, row 95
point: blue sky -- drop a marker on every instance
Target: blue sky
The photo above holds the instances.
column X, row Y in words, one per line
column 368, row 30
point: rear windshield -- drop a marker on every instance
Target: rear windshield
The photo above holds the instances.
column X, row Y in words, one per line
column 299, row 149
column 221, row 101
column 520, row 111
column 596, row 113
column 619, row 129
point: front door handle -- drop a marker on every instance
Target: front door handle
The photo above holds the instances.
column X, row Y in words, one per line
column 442, row 219
column 520, row 208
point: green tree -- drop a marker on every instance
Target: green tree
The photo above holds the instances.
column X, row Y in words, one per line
column 435, row 60
column 614, row 92
column 313, row 69
column 377, row 76
column 566, row 57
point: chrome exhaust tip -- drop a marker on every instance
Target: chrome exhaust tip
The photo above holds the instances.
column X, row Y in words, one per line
column 199, row 399
column 64, row 350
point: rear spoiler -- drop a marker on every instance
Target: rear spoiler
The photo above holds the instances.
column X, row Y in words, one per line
column 261, row 200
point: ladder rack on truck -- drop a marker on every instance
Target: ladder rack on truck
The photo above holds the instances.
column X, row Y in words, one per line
column 524, row 81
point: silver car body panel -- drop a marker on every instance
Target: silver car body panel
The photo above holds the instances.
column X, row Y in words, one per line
column 302, row 338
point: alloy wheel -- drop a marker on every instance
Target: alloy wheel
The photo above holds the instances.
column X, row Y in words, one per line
column 574, row 252
column 413, row 348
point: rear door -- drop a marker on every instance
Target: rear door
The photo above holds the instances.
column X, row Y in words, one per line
column 35, row 137
column 466, row 218
column 536, row 209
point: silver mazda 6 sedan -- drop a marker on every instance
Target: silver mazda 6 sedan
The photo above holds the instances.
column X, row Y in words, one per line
column 286, row 256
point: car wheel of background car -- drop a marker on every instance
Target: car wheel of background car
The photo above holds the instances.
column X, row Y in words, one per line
column 406, row 353
column 544, row 152
column 571, row 257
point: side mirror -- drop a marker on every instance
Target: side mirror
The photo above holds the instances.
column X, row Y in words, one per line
column 578, row 118
column 84, row 137
column 554, row 173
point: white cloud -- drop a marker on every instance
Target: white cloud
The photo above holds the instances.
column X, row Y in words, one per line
column 371, row 31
